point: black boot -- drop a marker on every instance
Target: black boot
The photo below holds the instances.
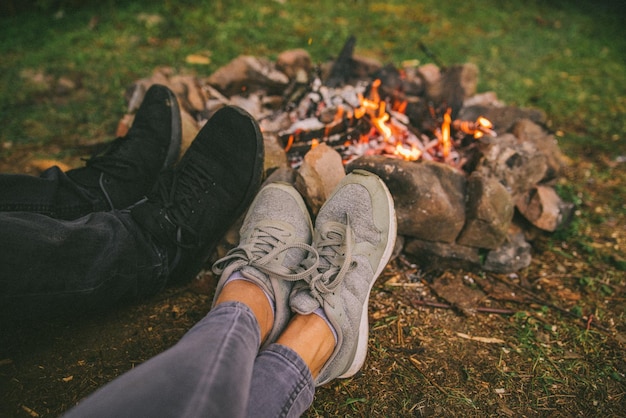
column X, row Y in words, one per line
column 214, row 183
column 128, row 169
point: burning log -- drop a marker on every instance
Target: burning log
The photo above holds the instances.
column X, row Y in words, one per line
column 341, row 68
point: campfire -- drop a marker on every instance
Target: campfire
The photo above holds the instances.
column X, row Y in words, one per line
column 373, row 126
column 472, row 179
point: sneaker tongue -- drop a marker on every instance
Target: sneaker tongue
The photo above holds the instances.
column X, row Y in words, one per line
column 303, row 303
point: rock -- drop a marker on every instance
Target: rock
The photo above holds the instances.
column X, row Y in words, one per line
column 544, row 208
column 294, row 62
column 489, row 212
column 488, row 98
column 190, row 129
column 442, row 255
column 513, row 255
column 432, row 79
column 275, row 155
column 458, row 82
column 124, row 124
column 502, row 117
column 528, row 131
column 363, row 68
column 282, row 175
column 518, row 166
column 189, row 92
column 429, row 196
column 251, row 103
column 249, row 74
column 319, row 174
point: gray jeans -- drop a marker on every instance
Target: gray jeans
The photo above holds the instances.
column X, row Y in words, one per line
column 215, row 370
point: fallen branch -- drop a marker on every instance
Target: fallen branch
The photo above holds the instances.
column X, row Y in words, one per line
column 420, row 302
column 486, row 340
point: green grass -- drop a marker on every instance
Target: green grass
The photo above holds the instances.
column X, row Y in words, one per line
column 563, row 57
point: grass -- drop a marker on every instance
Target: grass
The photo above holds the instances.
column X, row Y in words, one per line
column 565, row 57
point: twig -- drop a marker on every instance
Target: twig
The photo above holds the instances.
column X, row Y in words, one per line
column 415, row 364
column 421, row 302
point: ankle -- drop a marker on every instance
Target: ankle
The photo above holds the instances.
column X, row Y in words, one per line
column 252, row 296
column 311, row 338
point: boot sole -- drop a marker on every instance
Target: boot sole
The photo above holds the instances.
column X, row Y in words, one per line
column 176, row 133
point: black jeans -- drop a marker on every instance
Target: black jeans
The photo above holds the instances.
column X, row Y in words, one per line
column 49, row 264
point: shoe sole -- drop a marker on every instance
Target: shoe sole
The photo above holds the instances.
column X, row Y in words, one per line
column 176, row 132
column 362, row 341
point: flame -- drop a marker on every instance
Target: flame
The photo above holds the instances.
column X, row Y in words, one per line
column 478, row 128
column 376, row 110
column 409, row 154
column 400, row 106
column 444, row 140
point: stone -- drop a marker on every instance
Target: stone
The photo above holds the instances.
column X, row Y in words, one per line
column 321, row 170
column 294, row 62
column 513, row 255
column 275, row 155
column 248, row 74
column 363, row 68
column 429, row 196
column 431, row 74
column 190, row 95
column 442, row 255
column 489, row 212
column 528, row 131
column 543, row 207
column 458, row 82
column 518, row 166
column 502, row 117
column 488, row 98
column 190, row 129
column 282, row 175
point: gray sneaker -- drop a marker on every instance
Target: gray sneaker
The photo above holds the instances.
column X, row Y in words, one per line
column 274, row 239
column 355, row 232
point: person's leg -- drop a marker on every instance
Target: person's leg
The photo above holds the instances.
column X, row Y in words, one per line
column 327, row 337
column 49, row 266
column 103, row 256
column 116, row 178
column 52, row 193
column 206, row 374
column 275, row 238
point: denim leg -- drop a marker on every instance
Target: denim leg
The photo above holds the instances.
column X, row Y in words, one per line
column 48, row 264
column 282, row 384
column 206, row 374
column 52, row 193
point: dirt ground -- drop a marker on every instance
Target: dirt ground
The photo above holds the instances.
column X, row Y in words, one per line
column 546, row 341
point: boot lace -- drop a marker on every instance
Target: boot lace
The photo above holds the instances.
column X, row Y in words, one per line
column 181, row 198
